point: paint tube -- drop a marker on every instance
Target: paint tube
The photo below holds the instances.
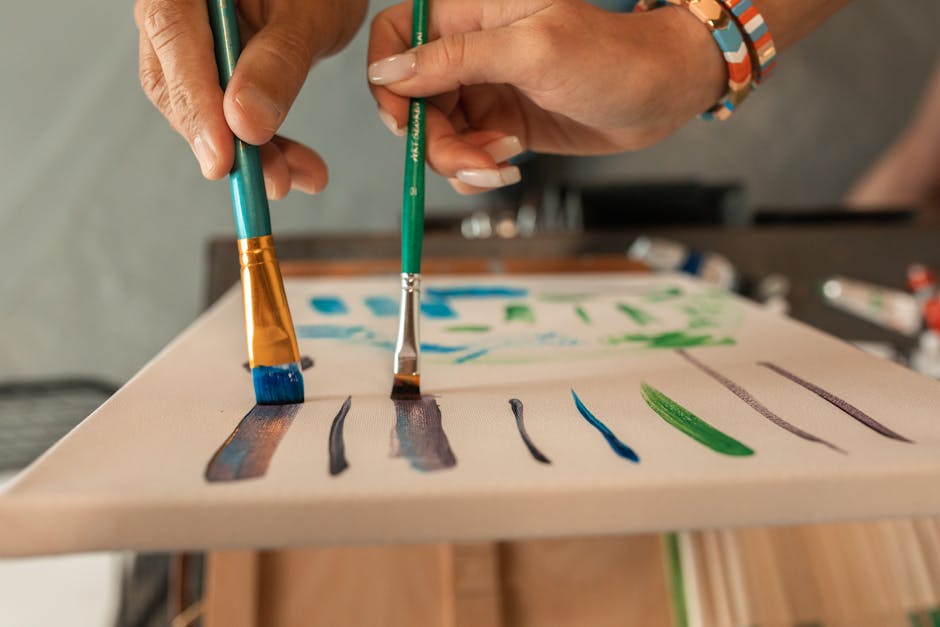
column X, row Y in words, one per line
column 665, row 255
column 883, row 306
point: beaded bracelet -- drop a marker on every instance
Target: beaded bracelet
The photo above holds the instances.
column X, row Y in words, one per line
column 727, row 35
column 760, row 44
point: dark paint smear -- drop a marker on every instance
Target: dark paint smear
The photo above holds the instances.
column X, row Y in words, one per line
column 248, row 451
column 419, row 437
column 338, row 461
column 754, row 404
column 516, row 405
column 842, row 404
column 619, row 447
column 305, row 363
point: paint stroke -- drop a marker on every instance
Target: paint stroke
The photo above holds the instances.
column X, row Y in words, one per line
column 636, row 314
column 329, row 305
column 475, row 292
column 756, row 405
column 615, row 443
column 842, row 404
column 468, row 328
column 328, row 331
column 519, row 312
column 337, row 445
column 381, row 306
column 517, row 411
column 471, row 356
column 670, row 339
column 441, row 349
column 438, row 310
column 247, row 453
column 582, row 314
column 419, row 437
column 691, row 425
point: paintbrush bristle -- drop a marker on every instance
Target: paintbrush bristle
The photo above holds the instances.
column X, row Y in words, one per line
column 278, row 385
column 407, row 387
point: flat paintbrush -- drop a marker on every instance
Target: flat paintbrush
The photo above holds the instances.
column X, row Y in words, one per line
column 407, row 383
column 272, row 344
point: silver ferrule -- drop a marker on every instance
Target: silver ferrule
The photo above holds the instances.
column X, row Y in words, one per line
column 407, row 348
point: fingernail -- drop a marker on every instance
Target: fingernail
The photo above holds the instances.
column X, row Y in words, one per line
column 304, row 183
column 205, row 155
column 389, row 121
column 259, row 108
column 490, row 178
column 504, row 148
column 393, row 69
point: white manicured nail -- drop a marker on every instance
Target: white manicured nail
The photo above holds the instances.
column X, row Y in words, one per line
column 389, row 121
column 490, row 178
column 504, row 148
column 393, row 69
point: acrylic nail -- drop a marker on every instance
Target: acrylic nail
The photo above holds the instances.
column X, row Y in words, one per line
column 259, row 108
column 490, row 178
column 205, row 155
column 504, row 148
column 391, row 123
column 393, row 69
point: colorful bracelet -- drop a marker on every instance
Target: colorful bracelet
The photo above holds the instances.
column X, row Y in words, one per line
column 760, row 44
column 727, row 35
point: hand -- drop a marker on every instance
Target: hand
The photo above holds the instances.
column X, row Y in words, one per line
column 558, row 76
column 281, row 39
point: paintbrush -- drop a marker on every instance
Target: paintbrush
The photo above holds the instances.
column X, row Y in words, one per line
column 407, row 383
column 272, row 345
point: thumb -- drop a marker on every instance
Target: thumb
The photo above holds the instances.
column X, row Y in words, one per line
column 465, row 58
column 268, row 76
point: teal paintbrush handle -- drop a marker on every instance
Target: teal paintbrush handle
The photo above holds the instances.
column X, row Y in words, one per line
column 246, row 180
column 412, row 206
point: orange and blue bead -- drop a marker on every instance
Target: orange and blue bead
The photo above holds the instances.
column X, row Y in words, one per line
column 760, row 43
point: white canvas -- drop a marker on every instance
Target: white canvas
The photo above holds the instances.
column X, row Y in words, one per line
column 133, row 475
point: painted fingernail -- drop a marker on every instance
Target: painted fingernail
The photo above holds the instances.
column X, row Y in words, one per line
column 393, row 69
column 504, row 148
column 259, row 108
column 205, row 155
column 490, row 178
column 389, row 121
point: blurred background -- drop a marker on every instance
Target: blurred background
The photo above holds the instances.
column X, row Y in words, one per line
column 105, row 219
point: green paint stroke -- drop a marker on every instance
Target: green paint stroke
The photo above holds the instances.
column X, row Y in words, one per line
column 662, row 294
column 585, row 318
column 519, row 312
column 637, row 315
column 680, row 616
column 468, row 328
column 671, row 339
column 691, row 425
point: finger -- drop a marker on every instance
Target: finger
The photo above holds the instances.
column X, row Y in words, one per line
column 276, row 171
column 270, row 72
column 178, row 32
column 308, row 172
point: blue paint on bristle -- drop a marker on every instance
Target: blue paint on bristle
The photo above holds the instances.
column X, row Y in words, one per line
column 278, row 385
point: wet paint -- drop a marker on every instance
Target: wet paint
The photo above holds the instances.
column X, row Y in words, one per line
column 691, row 425
column 754, row 404
column 615, row 443
column 471, row 356
column 468, row 328
column 337, row 445
column 842, row 404
column 519, row 312
column 636, row 314
column 475, row 291
column 517, row 411
column 438, row 310
column 381, row 306
column 419, row 437
column 441, row 349
column 329, row 305
column 582, row 314
column 247, row 452
column 671, row 339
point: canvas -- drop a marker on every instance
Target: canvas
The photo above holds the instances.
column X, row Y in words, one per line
column 554, row 405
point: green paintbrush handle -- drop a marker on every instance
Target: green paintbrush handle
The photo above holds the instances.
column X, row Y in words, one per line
column 246, row 180
column 412, row 206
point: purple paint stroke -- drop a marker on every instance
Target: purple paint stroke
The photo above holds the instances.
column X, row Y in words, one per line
column 517, row 411
column 842, row 404
column 337, row 445
column 756, row 405
column 247, row 453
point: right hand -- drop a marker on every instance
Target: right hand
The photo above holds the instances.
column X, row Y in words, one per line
column 282, row 39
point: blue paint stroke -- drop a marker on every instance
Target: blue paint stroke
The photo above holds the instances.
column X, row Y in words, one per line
column 328, row 331
column 337, row 446
column 471, row 356
column 437, row 309
column 442, row 349
column 475, row 291
column 619, row 447
column 247, row 452
column 382, row 306
column 329, row 305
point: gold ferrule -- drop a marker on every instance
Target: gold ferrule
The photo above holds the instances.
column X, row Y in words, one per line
column 268, row 324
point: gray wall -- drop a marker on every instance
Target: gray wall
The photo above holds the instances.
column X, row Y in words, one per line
column 103, row 215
